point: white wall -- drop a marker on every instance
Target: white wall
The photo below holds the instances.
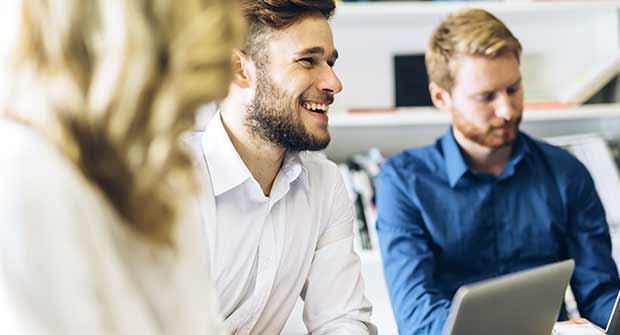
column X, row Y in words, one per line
column 560, row 41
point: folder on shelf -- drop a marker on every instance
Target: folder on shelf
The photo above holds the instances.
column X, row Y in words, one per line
column 591, row 80
column 594, row 153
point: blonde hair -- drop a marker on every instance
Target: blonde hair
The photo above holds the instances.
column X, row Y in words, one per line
column 114, row 83
column 472, row 32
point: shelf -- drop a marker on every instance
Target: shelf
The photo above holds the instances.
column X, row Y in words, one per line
column 431, row 116
column 397, row 8
column 394, row 131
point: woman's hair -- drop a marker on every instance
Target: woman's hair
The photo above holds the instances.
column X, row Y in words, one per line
column 114, row 83
column 472, row 32
column 265, row 16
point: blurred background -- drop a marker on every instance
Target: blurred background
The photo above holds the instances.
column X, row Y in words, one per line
column 570, row 67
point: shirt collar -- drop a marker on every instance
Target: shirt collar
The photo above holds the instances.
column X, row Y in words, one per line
column 519, row 150
column 454, row 160
column 226, row 167
column 456, row 166
column 294, row 168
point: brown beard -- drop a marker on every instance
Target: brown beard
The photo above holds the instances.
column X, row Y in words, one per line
column 485, row 137
column 270, row 119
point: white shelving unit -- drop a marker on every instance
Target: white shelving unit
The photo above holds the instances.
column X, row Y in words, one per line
column 394, row 131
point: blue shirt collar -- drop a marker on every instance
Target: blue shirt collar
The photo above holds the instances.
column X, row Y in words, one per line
column 520, row 149
column 456, row 166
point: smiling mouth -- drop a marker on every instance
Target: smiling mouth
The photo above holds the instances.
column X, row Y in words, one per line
column 316, row 107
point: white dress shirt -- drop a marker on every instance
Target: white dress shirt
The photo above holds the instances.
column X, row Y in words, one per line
column 267, row 251
column 70, row 265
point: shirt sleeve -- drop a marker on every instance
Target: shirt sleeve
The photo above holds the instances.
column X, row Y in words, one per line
column 419, row 303
column 333, row 294
column 595, row 282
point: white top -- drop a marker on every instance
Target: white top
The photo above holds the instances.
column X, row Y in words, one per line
column 268, row 251
column 69, row 265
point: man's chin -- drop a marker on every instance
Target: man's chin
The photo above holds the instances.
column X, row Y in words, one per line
column 307, row 143
column 502, row 140
column 318, row 140
column 319, row 144
column 500, row 143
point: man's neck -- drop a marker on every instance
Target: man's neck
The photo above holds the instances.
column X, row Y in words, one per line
column 482, row 159
column 261, row 157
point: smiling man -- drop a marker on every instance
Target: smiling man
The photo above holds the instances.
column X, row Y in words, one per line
column 486, row 199
column 278, row 219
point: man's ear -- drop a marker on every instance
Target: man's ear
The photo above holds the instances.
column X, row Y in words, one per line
column 441, row 98
column 241, row 67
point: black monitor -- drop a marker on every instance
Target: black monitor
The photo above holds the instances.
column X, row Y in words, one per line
column 411, row 81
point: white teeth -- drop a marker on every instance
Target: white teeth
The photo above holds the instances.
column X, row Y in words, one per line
column 316, row 107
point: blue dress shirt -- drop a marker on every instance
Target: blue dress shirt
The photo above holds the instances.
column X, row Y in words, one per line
column 441, row 225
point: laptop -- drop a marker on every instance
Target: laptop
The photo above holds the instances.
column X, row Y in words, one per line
column 613, row 325
column 526, row 302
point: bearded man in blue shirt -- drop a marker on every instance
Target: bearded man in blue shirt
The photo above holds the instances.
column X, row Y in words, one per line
column 485, row 199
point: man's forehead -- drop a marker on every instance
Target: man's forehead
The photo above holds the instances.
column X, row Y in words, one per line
column 311, row 34
column 483, row 73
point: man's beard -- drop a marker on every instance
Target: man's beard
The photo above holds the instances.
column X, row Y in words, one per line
column 485, row 137
column 270, row 118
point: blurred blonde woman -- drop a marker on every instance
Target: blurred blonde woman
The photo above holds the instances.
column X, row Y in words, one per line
column 95, row 187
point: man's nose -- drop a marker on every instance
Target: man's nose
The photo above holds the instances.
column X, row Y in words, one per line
column 329, row 81
column 505, row 107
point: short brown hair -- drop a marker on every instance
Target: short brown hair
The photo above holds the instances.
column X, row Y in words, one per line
column 472, row 32
column 263, row 16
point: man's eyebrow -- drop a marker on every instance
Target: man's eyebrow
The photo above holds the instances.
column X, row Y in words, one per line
column 310, row 51
column 484, row 92
column 318, row 51
column 517, row 82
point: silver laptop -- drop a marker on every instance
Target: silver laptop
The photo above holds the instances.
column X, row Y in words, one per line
column 613, row 326
column 526, row 302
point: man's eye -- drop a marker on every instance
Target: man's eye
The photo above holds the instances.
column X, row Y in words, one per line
column 485, row 97
column 513, row 90
column 306, row 61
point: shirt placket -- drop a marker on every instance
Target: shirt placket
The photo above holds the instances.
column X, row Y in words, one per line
column 266, row 273
column 501, row 226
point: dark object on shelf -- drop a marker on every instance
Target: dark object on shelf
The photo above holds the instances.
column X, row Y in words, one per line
column 411, row 81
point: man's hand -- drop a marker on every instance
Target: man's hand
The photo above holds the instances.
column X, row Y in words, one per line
column 581, row 321
column 564, row 327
